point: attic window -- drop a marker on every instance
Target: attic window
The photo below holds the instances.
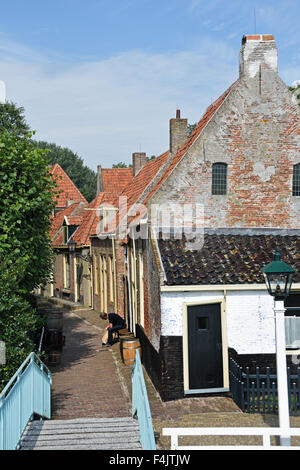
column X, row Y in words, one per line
column 68, row 231
column 296, row 180
column 219, row 178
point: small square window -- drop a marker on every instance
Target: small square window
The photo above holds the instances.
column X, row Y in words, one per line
column 202, row 323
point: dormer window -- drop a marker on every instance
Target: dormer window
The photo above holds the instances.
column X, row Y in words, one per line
column 68, row 231
column 219, row 178
column 296, row 180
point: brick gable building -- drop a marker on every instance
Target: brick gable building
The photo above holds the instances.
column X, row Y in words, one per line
column 239, row 167
column 189, row 283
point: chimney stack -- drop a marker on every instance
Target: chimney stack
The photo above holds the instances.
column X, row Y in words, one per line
column 258, row 53
column 100, row 185
column 178, row 132
column 139, row 159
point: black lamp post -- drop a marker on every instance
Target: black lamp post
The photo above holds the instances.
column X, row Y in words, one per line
column 279, row 277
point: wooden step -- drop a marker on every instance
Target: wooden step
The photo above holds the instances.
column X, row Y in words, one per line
column 80, row 434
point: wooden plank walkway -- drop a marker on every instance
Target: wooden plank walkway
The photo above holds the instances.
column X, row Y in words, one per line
column 82, row 434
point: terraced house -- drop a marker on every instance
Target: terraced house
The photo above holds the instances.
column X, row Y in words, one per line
column 178, row 249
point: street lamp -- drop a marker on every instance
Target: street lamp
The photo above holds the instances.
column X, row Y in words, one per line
column 279, row 277
column 72, row 245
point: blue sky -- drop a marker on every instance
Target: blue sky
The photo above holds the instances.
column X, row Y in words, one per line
column 104, row 78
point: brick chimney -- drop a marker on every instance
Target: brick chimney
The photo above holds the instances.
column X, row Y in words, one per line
column 258, row 53
column 100, row 185
column 178, row 132
column 139, row 159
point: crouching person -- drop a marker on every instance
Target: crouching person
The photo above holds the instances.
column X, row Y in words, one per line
column 116, row 323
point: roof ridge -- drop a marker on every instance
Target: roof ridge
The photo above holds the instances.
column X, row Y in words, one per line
column 149, row 164
column 57, row 165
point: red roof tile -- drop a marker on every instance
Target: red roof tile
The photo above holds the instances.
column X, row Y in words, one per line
column 115, row 179
column 91, row 217
column 73, row 214
column 68, row 190
column 135, row 189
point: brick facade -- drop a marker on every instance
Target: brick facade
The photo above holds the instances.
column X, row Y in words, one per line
column 254, row 128
column 258, row 137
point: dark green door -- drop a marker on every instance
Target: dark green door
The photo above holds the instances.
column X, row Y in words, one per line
column 205, row 347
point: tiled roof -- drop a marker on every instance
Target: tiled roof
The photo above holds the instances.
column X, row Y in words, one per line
column 226, row 258
column 134, row 190
column 74, row 215
column 144, row 177
column 115, row 179
column 120, row 181
column 68, row 190
column 90, row 218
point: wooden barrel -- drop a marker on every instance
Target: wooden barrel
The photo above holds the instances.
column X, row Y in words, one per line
column 122, row 338
column 129, row 347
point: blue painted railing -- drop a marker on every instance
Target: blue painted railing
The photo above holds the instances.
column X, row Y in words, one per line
column 140, row 405
column 26, row 394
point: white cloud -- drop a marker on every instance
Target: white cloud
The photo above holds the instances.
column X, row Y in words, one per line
column 108, row 109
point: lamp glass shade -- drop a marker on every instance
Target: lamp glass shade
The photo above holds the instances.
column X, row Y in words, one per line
column 278, row 277
column 71, row 245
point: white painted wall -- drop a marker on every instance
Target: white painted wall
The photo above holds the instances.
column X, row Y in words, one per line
column 249, row 316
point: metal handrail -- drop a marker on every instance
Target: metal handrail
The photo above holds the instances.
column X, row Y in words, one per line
column 140, row 405
column 41, row 340
column 27, row 393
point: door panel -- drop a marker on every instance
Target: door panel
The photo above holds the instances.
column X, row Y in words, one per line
column 205, row 346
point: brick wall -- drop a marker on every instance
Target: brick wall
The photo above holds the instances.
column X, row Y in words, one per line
column 256, row 131
column 165, row 367
column 152, row 313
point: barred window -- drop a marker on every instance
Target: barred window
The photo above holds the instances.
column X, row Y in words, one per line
column 219, row 178
column 296, row 180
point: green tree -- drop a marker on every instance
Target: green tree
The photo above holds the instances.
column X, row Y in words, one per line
column 129, row 165
column 191, row 127
column 12, row 119
column 295, row 89
column 19, row 323
column 83, row 177
column 26, row 205
column 121, row 165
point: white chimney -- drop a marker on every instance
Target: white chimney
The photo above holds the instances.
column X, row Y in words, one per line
column 258, row 53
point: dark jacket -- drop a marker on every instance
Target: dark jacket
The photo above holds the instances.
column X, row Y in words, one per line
column 116, row 320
